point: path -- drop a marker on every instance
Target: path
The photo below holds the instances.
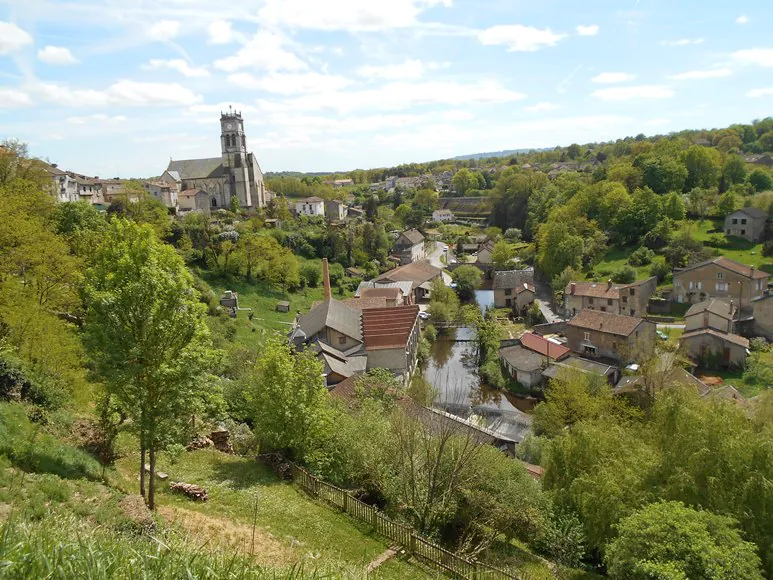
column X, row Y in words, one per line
column 545, row 297
column 434, row 259
column 385, row 556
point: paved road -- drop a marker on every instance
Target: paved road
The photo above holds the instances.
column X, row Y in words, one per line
column 544, row 296
column 434, row 259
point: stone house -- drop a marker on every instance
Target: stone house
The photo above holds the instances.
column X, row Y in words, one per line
column 335, row 210
column 163, row 191
column 409, row 246
column 762, row 309
column 420, row 274
column 526, row 360
column 391, row 338
column 707, row 343
column 443, row 215
column 514, row 289
column 714, row 313
column 747, row 223
column 626, row 299
column 485, row 253
column 193, row 200
column 720, row 278
column 624, row 339
column 310, row 206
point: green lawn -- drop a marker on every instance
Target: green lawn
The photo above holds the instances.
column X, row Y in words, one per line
column 734, row 248
column 615, row 259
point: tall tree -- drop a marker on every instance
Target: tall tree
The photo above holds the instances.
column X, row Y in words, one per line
column 145, row 331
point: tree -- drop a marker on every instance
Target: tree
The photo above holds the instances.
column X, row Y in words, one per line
column 558, row 246
column 467, row 280
column 734, row 170
column 674, row 206
column 425, row 200
column 502, row 255
column 464, row 181
column 726, row 204
column 146, row 333
column 703, row 167
column 664, row 174
column 288, row 400
column 669, row 540
column 761, row 180
column 444, row 303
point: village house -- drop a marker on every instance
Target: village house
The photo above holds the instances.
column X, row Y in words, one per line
column 193, row 200
column 338, row 183
column 486, row 253
column 64, row 185
column 762, row 311
column 526, row 360
column 514, row 289
column 310, row 206
column 163, row 191
column 624, row 339
column 713, row 313
column 625, row 299
column 391, row 337
column 747, row 223
column 420, row 274
column 409, row 246
column 443, row 215
column 401, row 291
column 573, row 364
column 335, row 210
column 720, row 278
column 712, row 347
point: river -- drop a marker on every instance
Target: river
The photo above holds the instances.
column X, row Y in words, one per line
column 452, row 371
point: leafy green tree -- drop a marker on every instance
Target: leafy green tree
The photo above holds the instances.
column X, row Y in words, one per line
column 444, row 303
column 726, row 204
column 703, row 167
column 145, row 331
column 674, row 206
column 464, row 181
column 467, row 280
column 670, row 540
column 645, row 212
column 502, row 255
column 426, row 200
column 734, row 170
column 660, row 268
column 558, row 246
column 761, row 180
column 664, row 174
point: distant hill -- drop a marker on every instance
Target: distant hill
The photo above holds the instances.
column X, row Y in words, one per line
column 507, row 153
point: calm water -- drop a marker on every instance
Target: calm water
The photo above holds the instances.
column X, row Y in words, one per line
column 452, row 371
column 484, row 298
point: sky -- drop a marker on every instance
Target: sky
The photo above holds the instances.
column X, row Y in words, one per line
column 116, row 88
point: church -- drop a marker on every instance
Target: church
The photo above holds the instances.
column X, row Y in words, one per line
column 209, row 184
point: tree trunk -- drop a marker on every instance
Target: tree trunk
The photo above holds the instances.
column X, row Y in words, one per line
column 142, row 465
column 152, row 485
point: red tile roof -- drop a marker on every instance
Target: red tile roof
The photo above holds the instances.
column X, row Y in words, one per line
column 388, row 327
column 728, row 264
column 544, row 347
column 606, row 322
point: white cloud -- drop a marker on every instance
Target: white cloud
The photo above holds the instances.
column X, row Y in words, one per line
column 96, row 118
column 56, row 55
column 290, row 83
column 591, row 30
column 742, row 19
column 12, row 38
column 755, row 56
column 609, row 78
column 399, row 96
column 11, row 98
column 754, row 93
column 220, row 32
column 349, row 15
column 265, row 50
column 702, row 74
column 178, row 65
column 519, row 38
column 410, row 69
column 164, row 30
column 121, row 93
column 541, row 106
column 631, row 93
column 683, row 42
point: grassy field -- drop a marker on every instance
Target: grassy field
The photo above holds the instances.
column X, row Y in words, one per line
column 734, row 248
column 615, row 259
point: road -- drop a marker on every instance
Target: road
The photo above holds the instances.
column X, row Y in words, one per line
column 434, row 259
column 545, row 296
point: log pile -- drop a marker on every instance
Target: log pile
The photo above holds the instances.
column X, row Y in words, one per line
column 277, row 464
column 189, row 490
column 221, row 439
column 199, row 443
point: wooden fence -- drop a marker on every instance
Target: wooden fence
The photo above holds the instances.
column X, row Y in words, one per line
column 401, row 534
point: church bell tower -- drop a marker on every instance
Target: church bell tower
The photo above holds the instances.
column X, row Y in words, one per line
column 233, row 145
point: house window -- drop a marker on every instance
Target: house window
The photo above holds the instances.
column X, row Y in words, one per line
column 743, row 221
column 614, row 346
column 692, row 285
column 633, row 291
column 743, row 232
column 727, row 232
column 508, row 292
column 735, row 221
column 633, row 313
column 586, row 335
column 758, row 285
column 722, row 286
column 590, row 300
column 720, row 275
column 609, row 302
column 341, row 340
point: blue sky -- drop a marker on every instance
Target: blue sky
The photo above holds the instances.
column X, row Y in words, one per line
column 117, row 87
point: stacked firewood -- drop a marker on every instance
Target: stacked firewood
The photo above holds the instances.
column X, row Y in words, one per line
column 191, row 491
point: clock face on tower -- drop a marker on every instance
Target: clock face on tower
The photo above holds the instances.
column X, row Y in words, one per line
column 229, row 126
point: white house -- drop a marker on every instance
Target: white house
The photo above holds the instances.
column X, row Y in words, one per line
column 443, row 215
column 164, row 191
column 310, row 206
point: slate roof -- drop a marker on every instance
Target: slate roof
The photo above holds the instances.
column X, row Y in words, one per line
column 732, row 338
column 753, row 212
column 334, row 314
column 728, row 264
column 416, row 272
column 312, row 199
column 366, row 303
column 174, row 175
column 513, row 278
column 197, row 168
column 593, row 289
column 386, row 293
column 388, row 327
column 414, row 236
column 406, row 286
column 606, row 322
column 715, row 306
column 580, row 364
column 522, row 359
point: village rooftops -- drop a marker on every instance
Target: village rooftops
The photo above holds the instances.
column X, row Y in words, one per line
column 418, row 273
column 577, row 363
column 543, row 346
column 414, row 236
column 521, row 358
column 741, row 269
column 752, row 212
column 334, row 314
column 388, row 327
column 197, row 168
column 607, row 289
column 405, row 286
column 387, row 293
column 721, row 308
column 732, row 338
column 366, row 303
column 606, row 322
column 513, row 279
column 313, row 199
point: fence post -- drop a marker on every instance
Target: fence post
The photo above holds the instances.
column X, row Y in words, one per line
column 346, row 502
column 374, row 518
column 412, row 547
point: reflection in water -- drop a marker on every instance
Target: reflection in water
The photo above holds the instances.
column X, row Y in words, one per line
column 484, row 298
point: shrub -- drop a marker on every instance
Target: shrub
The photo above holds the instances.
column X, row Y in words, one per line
column 767, row 248
column 716, row 240
column 175, row 451
column 759, row 344
column 625, row 275
column 660, row 268
column 242, row 438
column 311, row 274
column 430, row 333
column 564, row 539
column 641, row 256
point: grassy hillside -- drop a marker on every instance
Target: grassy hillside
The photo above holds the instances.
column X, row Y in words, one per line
column 63, row 516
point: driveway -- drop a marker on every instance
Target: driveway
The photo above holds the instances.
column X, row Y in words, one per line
column 545, row 298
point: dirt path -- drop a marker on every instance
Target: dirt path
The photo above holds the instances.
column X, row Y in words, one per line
column 384, row 557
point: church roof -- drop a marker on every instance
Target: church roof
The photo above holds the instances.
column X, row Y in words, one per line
column 197, row 168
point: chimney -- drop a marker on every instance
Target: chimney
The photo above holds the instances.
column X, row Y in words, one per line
column 326, row 279
column 609, row 284
column 572, row 288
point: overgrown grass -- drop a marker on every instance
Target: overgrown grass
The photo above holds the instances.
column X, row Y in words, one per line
column 616, row 258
